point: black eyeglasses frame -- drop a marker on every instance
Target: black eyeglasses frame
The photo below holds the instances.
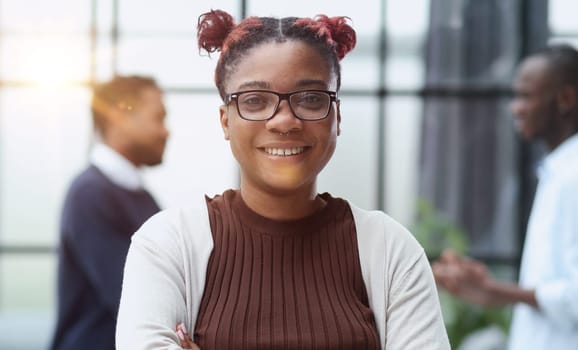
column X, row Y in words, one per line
column 234, row 96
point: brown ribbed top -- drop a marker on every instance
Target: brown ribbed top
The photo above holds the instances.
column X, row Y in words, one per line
column 283, row 284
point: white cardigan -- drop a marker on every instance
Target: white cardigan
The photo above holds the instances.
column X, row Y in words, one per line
column 165, row 270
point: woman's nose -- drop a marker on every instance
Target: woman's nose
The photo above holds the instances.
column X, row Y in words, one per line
column 284, row 120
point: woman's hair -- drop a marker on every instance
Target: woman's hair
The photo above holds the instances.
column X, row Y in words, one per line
column 332, row 37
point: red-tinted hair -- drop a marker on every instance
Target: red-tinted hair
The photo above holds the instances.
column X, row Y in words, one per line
column 333, row 37
column 338, row 34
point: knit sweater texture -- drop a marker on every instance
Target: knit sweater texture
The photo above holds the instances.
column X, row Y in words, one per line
column 284, row 284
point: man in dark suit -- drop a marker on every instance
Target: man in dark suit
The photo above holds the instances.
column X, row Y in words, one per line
column 104, row 206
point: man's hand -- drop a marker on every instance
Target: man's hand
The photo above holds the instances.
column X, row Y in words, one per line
column 468, row 279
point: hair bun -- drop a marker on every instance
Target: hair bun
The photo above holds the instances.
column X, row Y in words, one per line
column 342, row 34
column 335, row 30
column 213, row 28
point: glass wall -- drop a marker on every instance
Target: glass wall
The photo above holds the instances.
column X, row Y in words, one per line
column 44, row 126
column 563, row 25
column 424, row 103
column 469, row 148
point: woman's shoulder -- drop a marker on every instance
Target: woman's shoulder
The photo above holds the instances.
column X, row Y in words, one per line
column 182, row 225
column 377, row 219
column 376, row 230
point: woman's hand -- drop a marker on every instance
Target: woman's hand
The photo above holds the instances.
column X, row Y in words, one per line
column 185, row 339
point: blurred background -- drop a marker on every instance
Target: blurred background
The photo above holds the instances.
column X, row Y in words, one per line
column 427, row 135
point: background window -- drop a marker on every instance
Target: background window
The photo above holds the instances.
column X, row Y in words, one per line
column 424, row 101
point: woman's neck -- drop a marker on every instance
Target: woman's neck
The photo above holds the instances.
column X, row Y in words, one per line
column 283, row 206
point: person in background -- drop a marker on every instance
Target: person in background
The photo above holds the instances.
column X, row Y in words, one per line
column 274, row 264
column 546, row 299
column 104, row 206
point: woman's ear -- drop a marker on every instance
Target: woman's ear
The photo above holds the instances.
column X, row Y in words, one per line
column 224, row 118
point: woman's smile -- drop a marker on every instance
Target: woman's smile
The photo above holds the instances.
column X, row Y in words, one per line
column 284, row 152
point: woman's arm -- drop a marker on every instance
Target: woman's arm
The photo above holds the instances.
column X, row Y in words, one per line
column 164, row 278
column 414, row 318
column 153, row 292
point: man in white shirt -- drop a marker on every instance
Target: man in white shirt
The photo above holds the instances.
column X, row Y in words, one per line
column 104, row 206
column 546, row 298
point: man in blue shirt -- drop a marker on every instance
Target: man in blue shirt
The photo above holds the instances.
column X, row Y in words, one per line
column 104, row 206
column 546, row 298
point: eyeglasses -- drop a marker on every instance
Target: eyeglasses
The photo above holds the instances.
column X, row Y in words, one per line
column 263, row 104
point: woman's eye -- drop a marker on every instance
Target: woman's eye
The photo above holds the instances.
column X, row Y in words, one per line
column 309, row 98
column 253, row 100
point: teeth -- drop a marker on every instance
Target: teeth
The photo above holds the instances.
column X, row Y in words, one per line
column 284, row 151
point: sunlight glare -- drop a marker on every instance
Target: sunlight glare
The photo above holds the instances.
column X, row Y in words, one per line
column 50, row 62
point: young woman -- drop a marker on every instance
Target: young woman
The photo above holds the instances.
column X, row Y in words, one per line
column 274, row 264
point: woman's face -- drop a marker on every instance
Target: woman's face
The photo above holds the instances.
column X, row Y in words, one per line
column 283, row 154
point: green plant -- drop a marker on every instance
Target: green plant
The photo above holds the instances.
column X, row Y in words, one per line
column 436, row 233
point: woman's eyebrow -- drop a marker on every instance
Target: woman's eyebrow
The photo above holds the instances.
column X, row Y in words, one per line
column 309, row 82
column 255, row 84
column 258, row 84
